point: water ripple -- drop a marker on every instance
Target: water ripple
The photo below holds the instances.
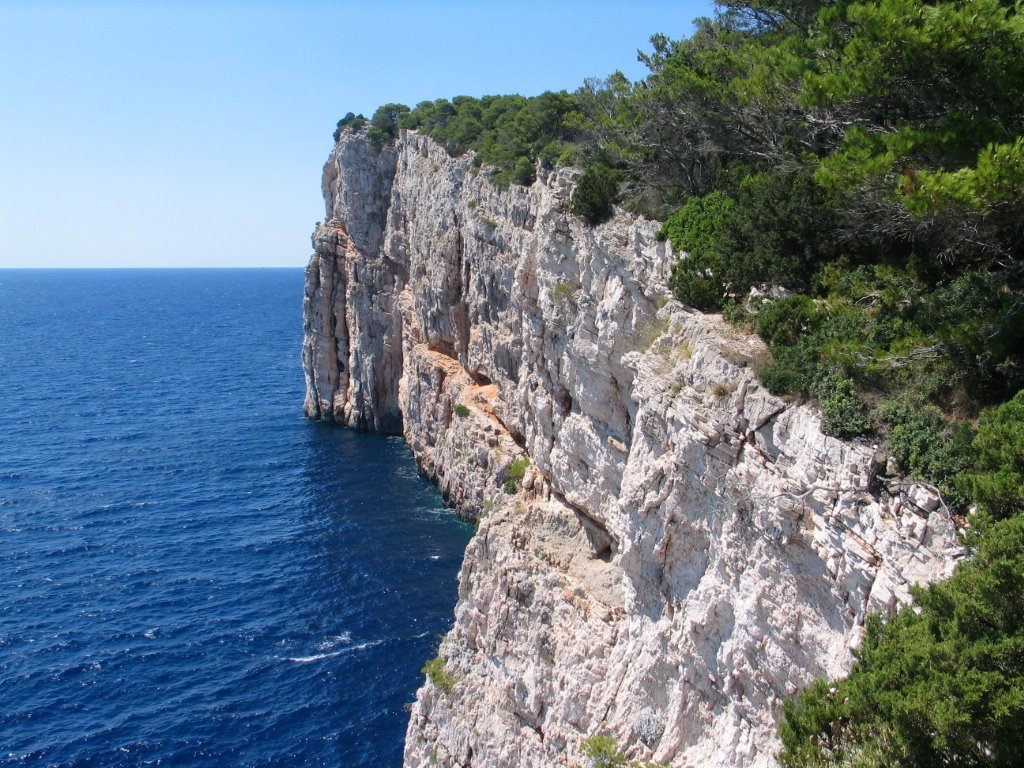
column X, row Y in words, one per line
column 192, row 573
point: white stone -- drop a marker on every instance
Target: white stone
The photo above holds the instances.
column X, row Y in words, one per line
column 925, row 498
column 636, row 571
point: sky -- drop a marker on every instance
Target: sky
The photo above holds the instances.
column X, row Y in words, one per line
column 193, row 134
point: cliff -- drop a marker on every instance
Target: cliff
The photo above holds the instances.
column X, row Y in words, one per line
column 684, row 551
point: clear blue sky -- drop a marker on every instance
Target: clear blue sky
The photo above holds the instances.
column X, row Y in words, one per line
column 194, row 133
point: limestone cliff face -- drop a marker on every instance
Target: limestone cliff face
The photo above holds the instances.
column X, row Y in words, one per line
column 685, row 550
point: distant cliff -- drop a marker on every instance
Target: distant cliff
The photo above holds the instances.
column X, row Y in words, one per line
column 683, row 551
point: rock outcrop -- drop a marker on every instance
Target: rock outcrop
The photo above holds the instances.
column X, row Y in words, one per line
column 684, row 550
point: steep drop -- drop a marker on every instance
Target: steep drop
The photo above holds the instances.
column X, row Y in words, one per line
column 683, row 552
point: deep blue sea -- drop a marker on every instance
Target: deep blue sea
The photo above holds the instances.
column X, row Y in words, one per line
column 191, row 572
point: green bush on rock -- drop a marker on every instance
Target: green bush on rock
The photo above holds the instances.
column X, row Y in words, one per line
column 438, row 675
column 997, row 482
column 350, row 122
column 517, row 469
column 514, row 474
column 595, row 194
column 696, row 228
column 843, row 413
column 602, row 751
column 384, row 124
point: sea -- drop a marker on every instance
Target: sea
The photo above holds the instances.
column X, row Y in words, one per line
column 191, row 572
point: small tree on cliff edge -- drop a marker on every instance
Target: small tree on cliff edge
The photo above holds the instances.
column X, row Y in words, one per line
column 384, row 124
column 595, row 194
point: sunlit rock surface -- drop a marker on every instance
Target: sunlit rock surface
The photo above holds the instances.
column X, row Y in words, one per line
column 685, row 550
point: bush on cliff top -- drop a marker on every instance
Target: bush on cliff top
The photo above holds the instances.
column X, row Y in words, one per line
column 595, row 194
column 350, row 122
column 508, row 132
column 384, row 124
column 996, row 481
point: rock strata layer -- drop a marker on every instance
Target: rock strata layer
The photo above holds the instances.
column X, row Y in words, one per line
column 683, row 551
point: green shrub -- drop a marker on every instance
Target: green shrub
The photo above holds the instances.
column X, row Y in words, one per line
column 695, row 283
column 773, row 229
column 595, row 194
column 787, row 320
column 777, row 232
column 563, row 290
column 979, row 320
column 735, row 312
column 843, row 413
column 514, row 474
column 461, row 411
column 928, row 445
column 384, row 124
column 349, row 122
column 438, row 675
column 523, row 172
column 791, row 370
column 697, row 226
column 697, row 279
column 997, row 482
column 602, row 751
column 517, row 470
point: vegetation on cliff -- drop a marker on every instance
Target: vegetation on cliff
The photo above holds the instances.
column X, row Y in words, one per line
column 508, row 133
column 846, row 180
column 943, row 684
column 865, row 157
column 941, row 687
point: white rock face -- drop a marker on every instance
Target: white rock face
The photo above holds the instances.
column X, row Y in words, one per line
column 684, row 551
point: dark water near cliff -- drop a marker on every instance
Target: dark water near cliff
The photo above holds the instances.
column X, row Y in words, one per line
column 191, row 573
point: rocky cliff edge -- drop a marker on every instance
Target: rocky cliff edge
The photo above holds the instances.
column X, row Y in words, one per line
column 684, row 550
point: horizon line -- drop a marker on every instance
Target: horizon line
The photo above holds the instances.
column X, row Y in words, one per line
column 140, row 267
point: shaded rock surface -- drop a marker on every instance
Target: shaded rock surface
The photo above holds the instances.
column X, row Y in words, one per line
column 684, row 551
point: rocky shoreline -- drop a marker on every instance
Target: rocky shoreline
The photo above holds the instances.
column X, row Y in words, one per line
column 683, row 551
